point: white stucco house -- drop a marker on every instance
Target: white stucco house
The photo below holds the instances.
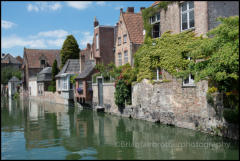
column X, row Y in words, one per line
column 63, row 85
column 33, row 86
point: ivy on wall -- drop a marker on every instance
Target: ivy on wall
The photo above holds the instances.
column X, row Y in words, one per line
column 147, row 13
column 169, row 52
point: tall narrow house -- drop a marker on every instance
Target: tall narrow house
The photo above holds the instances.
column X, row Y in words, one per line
column 103, row 43
column 129, row 36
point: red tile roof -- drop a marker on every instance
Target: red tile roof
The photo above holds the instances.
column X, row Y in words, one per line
column 33, row 55
column 134, row 24
column 20, row 59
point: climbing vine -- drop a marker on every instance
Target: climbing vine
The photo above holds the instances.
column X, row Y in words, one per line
column 169, row 52
column 149, row 12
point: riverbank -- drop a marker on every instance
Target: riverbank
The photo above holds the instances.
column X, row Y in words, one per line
column 166, row 103
column 169, row 103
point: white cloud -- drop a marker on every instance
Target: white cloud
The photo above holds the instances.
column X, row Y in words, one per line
column 57, row 42
column 101, row 3
column 7, row 24
column 54, row 38
column 55, row 33
column 79, row 5
column 44, row 6
column 87, row 38
column 13, row 41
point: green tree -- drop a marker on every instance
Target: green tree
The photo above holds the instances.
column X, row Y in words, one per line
column 221, row 55
column 70, row 50
column 8, row 72
column 55, row 70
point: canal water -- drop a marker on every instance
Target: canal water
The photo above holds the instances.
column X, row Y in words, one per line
column 40, row 130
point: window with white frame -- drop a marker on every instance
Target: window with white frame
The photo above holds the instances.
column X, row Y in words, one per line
column 119, row 59
column 119, row 40
column 187, row 15
column 157, row 74
column 125, row 57
column 97, row 42
column 155, row 21
column 59, row 84
column 125, row 38
column 189, row 81
column 65, row 83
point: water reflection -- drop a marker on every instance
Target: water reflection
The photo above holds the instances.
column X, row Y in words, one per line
column 54, row 131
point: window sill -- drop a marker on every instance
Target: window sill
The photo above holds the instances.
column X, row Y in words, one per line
column 188, row 86
column 190, row 29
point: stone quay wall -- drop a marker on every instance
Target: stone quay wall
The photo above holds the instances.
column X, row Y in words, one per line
column 108, row 97
column 171, row 103
column 50, row 97
column 186, row 107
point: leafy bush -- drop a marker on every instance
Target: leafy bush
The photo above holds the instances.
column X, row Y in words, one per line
column 231, row 115
column 123, row 85
column 52, row 87
column 122, row 93
column 212, row 90
column 94, row 77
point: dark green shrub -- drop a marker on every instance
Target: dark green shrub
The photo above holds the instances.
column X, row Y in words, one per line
column 231, row 115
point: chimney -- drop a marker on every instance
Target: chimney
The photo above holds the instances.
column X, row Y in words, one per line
column 95, row 22
column 82, row 62
column 130, row 10
column 121, row 10
column 142, row 8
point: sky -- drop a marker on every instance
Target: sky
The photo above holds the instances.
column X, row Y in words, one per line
column 45, row 24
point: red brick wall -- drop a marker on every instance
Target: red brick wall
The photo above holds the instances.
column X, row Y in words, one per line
column 106, row 43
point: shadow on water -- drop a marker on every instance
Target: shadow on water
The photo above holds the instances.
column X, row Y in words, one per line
column 55, row 131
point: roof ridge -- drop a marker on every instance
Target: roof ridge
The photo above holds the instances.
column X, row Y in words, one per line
column 41, row 49
column 126, row 27
column 125, row 18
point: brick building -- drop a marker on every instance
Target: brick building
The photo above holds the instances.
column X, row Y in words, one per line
column 129, row 36
column 103, row 44
column 34, row 60
column 101, row 51
column 199, row 16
